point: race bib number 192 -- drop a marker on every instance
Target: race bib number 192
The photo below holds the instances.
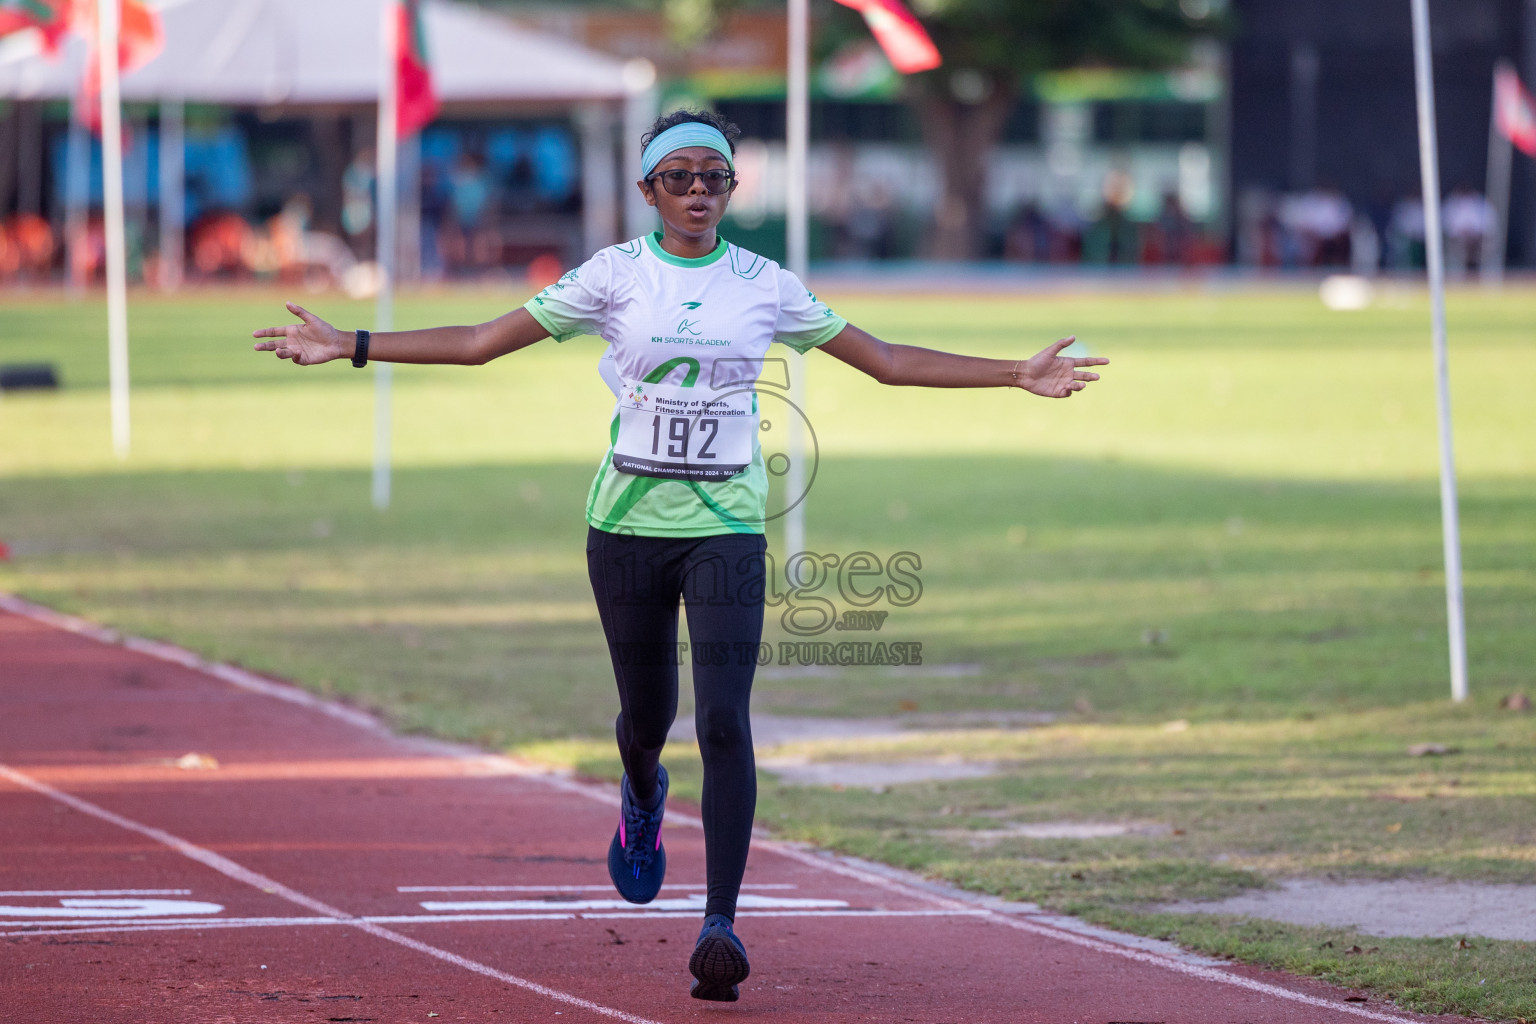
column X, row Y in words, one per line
column 683, row 433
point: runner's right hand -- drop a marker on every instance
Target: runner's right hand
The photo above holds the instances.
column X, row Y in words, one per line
column 313, row 341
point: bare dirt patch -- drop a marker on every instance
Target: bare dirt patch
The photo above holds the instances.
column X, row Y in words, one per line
column 769, row 731
column 1409, row 909
column 876, row 775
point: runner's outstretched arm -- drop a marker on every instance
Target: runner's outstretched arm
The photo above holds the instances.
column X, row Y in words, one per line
column 1047, row 373
column 315, row 341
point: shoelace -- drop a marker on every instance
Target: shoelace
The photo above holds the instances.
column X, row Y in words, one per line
column 639, row 833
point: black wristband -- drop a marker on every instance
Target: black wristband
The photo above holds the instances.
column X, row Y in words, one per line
column 360, row 354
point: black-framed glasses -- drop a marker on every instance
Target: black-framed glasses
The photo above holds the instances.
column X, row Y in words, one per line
column 717, row 180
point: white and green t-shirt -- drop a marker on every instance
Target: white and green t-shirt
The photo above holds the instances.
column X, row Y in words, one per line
column 687, row 338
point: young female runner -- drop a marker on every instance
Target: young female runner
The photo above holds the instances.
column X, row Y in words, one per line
column 677, row 510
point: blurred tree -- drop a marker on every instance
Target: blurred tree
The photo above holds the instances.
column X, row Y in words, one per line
column 991, row 47
column 990, row 50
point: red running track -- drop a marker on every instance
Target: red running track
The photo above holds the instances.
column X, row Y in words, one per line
column 325, row 870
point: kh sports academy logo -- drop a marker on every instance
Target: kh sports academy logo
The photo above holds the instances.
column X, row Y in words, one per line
column 686, row 326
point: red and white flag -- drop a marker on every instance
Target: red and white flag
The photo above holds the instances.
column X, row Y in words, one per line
column 50, row 17
column 900, row 35
column 416, row 102
column 1514, row 110
column 140, row 38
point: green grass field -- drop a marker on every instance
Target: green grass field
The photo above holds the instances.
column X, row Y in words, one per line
column 1238, row 528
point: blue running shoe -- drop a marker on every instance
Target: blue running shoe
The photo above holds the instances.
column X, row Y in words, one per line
column 719, row 962
column 637, row 862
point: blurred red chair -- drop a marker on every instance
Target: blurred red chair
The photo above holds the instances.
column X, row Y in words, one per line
column 27, row 246
column 219, row 242
column 10, row 256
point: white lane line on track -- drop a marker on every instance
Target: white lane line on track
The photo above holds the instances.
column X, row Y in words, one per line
column 693, row 903
column 561, row 888
column 97, row 928
column 224, row 866
column 96, row 892
column 605, row 795
column 975, row 912
column 101, row 910
column 164, row 926
column 90, row 926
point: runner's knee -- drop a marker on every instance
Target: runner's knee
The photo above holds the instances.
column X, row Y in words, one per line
column 722, row 730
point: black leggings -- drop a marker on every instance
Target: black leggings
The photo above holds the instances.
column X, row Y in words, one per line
column 637, row 582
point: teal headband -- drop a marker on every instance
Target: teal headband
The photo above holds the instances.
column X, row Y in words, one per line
column 682, row 136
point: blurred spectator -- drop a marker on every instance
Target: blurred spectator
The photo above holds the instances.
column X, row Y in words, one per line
column 218, row 172
column 1113, row 238
column 1468, row 219
column 1255, row 224
column 835, row 198
column 294, row 253
column 88, row 253
column 1028, row 236
column 1065, row 226
column 866, row 231
column 1170, row 238
column 469, row 235
column 357, row 200
column 509, row 159
column 283, row 249
column 556, row 167
column 537, row 169
column 1405, row 234
column 1364, row 246
column 1319, row 222
column 434, row 211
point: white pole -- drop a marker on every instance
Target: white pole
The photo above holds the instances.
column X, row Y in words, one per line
column 384, row 309
column 599, row 182
column 1429, row 170
column 1490, row 263
column 117, row 266
column 640, row 107
column 173, row 192
column 797, row 246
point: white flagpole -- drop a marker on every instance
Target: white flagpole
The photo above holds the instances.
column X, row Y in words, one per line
column 112, row 181
column 797, row 246
column 1429, row 170
column 1490, row 264
column 384, row 310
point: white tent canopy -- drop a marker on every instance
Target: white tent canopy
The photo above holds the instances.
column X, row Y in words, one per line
column 302, row 52
column 268, row 52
